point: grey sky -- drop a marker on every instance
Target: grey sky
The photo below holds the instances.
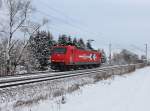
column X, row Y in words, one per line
column 116, row 21
column 121, row 22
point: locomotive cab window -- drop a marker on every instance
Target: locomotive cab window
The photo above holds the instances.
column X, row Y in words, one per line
column 59, row 50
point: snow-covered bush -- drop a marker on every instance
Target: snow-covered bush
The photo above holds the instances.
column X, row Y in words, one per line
column 125, row 57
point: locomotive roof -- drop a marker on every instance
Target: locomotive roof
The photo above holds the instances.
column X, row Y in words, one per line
column 75, row 46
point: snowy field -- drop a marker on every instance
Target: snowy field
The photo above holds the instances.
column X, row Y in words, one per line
column 127, row 93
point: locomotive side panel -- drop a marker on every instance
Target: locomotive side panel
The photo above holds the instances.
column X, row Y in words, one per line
column 68, row 57
column 84, row 57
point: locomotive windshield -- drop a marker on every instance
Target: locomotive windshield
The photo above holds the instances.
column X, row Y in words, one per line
column 59, row 50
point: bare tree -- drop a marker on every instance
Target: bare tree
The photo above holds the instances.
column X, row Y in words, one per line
column 18, row 24
column 125, row 57
column 17, row 14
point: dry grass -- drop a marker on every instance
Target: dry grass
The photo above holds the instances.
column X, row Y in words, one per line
column 73, row 88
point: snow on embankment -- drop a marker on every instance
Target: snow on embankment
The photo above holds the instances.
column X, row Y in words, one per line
column 127, row 93
column 31, row 94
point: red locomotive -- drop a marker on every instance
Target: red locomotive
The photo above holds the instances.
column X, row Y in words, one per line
column 71, row 57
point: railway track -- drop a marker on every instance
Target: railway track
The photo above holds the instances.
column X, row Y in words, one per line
column 26, row 79
column 43, row 72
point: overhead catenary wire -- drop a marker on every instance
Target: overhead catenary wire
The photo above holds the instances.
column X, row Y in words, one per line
column 69, row 21
column 77, row 33
column 65, row 22
column 60, row 12
column 130, row 47
column 137, row 48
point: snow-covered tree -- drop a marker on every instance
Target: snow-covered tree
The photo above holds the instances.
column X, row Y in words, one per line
column 75, row 41
column 81, row 43
column 39, row 46
column 125, row 57
column 89, row 46
column 70, row 42
column 63, row 39
column 17, row 24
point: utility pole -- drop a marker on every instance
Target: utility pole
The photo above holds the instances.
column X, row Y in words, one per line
column 110, row 46
column 146, row 53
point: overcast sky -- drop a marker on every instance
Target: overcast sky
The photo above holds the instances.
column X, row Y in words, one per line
column 124, row 23
column 121, row 22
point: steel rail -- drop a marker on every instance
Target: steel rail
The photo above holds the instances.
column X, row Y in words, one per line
column 14, row 81
column 23, row 77
column 35, row 80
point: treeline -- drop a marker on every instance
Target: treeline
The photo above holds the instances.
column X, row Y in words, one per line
column 127, row 57
column 47, row 38
column 36, row 53
column 41, row 43
column 30, row 52
column 22, row 46
column 79, row 43
column 33, row 54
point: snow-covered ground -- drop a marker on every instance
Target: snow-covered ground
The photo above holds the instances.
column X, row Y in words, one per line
column 127, row 93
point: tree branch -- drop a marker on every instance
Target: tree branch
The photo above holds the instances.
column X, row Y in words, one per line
column 11, row 47
column 26, row 7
